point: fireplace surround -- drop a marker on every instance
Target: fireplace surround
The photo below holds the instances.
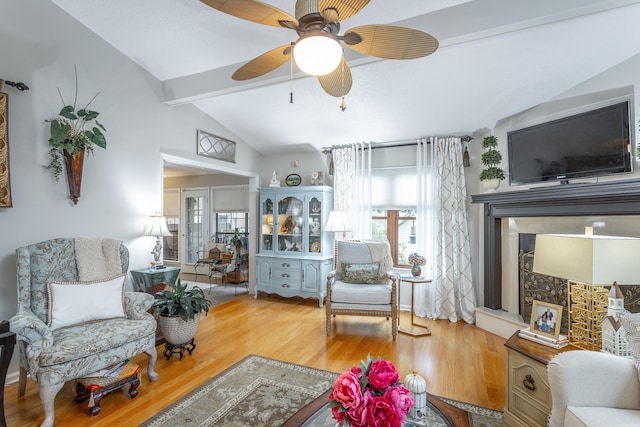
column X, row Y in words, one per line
column 609, row 199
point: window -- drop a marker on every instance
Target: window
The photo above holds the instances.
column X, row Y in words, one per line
column 398, row 227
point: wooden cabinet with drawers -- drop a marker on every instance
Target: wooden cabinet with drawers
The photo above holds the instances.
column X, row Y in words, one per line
column 528, row 391
column 295, row 253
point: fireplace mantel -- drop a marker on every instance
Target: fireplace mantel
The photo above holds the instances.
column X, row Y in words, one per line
column 609, row 198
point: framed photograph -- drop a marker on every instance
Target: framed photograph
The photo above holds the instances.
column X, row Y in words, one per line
column 293, row 180
column 546, row 319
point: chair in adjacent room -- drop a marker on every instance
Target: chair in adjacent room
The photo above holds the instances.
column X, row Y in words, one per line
column 362, row 283
column 67, row 328
column 212, row 259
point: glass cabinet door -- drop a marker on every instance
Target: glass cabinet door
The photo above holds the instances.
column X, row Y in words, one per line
column 290, row 225
column 315, row 226
column 266, row 225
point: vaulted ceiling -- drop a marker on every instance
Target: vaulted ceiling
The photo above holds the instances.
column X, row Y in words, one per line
column 496, row 58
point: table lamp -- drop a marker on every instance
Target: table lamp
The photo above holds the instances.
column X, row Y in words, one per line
column 589, row 263
column 338, row 222
column 157, row 226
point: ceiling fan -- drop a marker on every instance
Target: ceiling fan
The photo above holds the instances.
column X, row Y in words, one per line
column 317, row 23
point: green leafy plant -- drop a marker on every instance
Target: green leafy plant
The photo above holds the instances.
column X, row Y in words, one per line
column 236, row 236
column 69, row 133
column 491, row 158
column 180, row 301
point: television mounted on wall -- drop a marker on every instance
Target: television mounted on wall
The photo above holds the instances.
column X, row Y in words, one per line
column 590, row 144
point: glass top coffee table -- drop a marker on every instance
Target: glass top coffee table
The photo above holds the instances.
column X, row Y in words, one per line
column 439, row 414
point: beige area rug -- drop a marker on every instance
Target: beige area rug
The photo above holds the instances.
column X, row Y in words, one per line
column 261, row 392
column 256, row 391
column 219, row 293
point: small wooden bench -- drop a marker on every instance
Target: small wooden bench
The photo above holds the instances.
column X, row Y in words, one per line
column 95, row 388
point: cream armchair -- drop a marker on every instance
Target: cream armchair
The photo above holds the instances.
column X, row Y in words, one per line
column 590, row 388
column 53, row 355
column 362, row 283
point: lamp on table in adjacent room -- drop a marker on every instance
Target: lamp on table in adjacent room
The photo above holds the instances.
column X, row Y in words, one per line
column 157, row 227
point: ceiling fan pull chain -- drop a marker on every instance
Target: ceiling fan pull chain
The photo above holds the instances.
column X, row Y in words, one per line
column 291, row 77
column 343, row 106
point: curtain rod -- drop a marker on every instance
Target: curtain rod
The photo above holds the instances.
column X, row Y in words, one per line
column 400, row 143
column 18, row 85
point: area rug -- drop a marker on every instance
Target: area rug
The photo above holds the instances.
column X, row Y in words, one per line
column 256, row 391
column 217, row 293
column 480, row 416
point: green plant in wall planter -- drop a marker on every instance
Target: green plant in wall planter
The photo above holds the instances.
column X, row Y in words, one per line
column 74, row 133
column 492, row 174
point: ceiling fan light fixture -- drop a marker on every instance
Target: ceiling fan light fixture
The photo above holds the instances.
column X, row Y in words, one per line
column 317, row 54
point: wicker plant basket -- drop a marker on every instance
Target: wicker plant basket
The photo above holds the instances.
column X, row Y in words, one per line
column 176, row 331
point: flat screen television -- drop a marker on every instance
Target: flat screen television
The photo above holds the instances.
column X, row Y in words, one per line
column 589, row 144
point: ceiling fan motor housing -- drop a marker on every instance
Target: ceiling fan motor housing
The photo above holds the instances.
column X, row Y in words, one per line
column 306, row 7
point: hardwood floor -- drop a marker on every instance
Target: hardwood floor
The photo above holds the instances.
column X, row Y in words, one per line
column 458, row 361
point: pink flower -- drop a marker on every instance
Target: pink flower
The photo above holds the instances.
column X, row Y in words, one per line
column 358, row 416
column 401, row 400
column 346, row 391
column 381, row 413
column 382, row 374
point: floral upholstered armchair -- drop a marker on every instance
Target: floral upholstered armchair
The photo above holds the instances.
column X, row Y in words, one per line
column 55, row 345
column 362, row 282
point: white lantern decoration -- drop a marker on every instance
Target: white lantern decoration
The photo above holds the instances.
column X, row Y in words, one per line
column 418, row 388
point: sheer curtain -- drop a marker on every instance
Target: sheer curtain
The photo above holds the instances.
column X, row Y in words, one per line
column 352, row 187
column 454, row 293
column 425, row 220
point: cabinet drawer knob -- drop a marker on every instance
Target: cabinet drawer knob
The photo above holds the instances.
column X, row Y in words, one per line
column 284, row 264
column 284, row 285
column 529, row 383
column 285, row 275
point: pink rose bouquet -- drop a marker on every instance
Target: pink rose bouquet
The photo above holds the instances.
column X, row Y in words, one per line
column 370, row 395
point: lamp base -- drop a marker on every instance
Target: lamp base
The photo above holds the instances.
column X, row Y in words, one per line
column 587, row 306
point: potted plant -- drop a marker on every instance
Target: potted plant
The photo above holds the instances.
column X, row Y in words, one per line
column 70, row 140
column 179, row 311
column 491, row 158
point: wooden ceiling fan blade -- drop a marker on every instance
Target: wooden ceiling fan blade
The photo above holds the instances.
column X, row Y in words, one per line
column 251, row 10
column 338, row 82
column 263, row 64
column 393, row 42
column 344, row 8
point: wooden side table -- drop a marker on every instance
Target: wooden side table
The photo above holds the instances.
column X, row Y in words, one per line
column 145, row 279
column 413, row 281
column 528, row 391
column 7, row 342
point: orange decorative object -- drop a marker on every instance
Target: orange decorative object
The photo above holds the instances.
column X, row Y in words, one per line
column 73, row 166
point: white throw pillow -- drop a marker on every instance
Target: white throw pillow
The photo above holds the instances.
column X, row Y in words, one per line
column 72, row 303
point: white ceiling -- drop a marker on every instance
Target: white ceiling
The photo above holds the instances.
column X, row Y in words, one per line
column 496, row 58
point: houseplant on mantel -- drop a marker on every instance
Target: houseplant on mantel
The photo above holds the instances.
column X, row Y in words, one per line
column 70, row 141
column 491, row 158
column 178, row 310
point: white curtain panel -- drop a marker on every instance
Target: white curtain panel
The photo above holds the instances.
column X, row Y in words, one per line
column 352, row 187
column 455, row 295
column 425, row 221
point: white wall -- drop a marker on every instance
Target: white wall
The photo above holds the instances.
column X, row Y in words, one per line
column 39, row 45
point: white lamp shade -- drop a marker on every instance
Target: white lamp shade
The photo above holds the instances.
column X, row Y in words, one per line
column 157, row 226
column 317, row 55
column 338, row 222
column 596, row 260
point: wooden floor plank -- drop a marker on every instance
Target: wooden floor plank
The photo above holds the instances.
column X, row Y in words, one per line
column 458, row 361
